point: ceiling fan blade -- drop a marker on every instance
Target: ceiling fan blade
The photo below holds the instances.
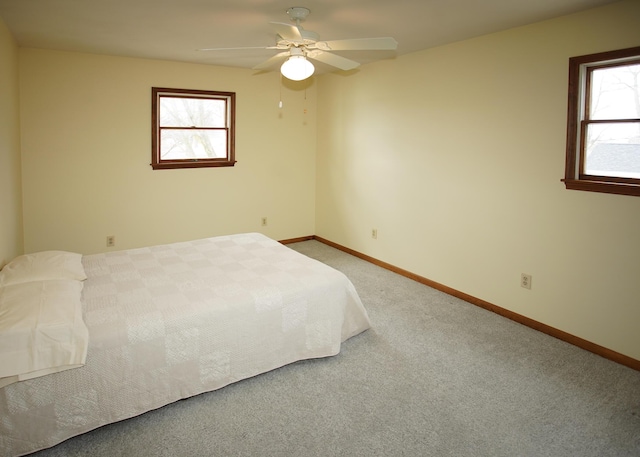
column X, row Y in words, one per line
column 359, row 44
column 236, row 49
column 333, row 60
column 289, row 32
column 271, row 61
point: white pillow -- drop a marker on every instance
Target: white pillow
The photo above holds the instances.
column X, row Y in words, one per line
column 43, row 266
column 41, row 329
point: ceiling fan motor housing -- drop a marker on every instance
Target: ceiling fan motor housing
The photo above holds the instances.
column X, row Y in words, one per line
column 308, row 38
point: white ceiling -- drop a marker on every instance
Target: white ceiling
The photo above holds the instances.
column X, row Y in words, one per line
column 176, row 29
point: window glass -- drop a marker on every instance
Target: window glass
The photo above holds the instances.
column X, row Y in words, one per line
column 188, row 112
column 613, row 149
column 614, row 92
column 193, row 144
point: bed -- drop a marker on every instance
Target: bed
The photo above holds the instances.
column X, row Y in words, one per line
column 172, row 321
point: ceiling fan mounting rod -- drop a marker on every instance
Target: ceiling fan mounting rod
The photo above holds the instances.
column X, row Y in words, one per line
column 298, row 14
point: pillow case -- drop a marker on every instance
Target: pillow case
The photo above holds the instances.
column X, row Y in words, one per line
column 41, row 329
column 42, row 266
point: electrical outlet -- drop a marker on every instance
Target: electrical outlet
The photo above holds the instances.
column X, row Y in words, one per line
column 264, row 221
column 111, row 241
column 374, row 234
column 525, row 281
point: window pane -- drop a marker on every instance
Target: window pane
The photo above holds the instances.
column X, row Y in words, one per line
column 613, row 149
column 192, row 112
column 615, row 93
column 193, row 144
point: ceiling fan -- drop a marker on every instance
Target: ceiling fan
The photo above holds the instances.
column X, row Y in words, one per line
column 299, row 45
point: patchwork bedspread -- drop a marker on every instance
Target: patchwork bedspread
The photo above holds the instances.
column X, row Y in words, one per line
column 172, row 321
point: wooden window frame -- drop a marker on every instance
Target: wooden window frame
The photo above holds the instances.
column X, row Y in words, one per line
column 157, row 163
column 580, row 69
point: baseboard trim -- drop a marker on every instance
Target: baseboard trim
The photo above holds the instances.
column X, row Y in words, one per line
column 297, row 240
column 544, row 328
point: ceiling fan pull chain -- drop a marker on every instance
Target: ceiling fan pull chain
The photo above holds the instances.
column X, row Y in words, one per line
column 304, row 108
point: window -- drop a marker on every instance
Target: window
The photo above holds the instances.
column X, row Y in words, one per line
column 192, row 128
column 603, row 128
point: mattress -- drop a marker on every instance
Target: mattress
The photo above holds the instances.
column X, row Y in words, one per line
column 172, row 321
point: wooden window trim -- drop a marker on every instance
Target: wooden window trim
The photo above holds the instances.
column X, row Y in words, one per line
column 575, row 178
column 158, row 164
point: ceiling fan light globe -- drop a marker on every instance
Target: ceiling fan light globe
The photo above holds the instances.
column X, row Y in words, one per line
column 297, row 68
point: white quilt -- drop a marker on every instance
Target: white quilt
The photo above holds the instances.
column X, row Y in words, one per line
column 169, row 322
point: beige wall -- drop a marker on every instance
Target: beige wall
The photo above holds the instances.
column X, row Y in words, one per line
column 455, row 155
column 86, row 149
column 10, row 193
